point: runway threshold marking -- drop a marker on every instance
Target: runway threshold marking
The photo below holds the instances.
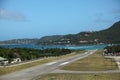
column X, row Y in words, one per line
column 64, row 63
column 50, row 63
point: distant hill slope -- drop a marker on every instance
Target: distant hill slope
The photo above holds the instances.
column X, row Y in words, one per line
column 110, row 35
column 20, row 41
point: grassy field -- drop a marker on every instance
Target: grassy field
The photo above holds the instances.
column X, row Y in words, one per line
column 115, row 76
column 5, row 70
column 95, row 62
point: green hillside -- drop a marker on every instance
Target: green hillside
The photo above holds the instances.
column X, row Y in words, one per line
column 110, row 35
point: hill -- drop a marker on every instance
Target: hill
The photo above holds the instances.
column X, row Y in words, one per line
column 110, row 35
column 20, row 41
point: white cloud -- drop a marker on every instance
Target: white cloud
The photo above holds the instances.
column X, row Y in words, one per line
column 11, row 15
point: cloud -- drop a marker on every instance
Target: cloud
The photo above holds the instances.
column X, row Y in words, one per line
column 11, row 15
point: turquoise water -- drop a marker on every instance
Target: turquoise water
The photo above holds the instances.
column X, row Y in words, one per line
column 88, row 47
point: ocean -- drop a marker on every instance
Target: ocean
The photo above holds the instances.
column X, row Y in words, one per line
column 87, row 47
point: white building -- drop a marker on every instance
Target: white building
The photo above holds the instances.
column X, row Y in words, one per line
column 16, row 60
column 3, row 61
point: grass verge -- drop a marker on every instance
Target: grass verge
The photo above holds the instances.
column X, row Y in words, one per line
column 108, row 76
column 94, row 62
column 6, row 70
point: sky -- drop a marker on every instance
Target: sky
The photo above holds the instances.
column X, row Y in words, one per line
column 37, row 18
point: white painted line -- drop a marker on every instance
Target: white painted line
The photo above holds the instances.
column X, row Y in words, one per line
column 64, row 63
column 86, row 53
column 118, row 62
column 50, row 63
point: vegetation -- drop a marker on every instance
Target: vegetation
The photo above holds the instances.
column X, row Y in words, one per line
column 102, row 76
column 28, row 54
column 94, row 62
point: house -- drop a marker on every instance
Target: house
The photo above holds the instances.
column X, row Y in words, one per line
column 16, row 60
column 3, row 61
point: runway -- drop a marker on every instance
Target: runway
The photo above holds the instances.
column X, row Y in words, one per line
column 33, row 72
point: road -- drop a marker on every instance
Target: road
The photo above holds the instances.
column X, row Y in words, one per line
column 33, row 72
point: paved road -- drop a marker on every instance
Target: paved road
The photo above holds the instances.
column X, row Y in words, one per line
column 32, row 73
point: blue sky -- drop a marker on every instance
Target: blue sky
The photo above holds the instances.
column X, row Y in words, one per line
column 37, row 18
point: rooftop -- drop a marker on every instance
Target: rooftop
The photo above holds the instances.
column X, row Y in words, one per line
column 1, row 58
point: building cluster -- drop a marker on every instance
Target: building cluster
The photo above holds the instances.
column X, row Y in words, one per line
column 5, row 62
column 107, row 53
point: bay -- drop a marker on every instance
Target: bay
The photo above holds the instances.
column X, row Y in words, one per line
column 32, row 46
